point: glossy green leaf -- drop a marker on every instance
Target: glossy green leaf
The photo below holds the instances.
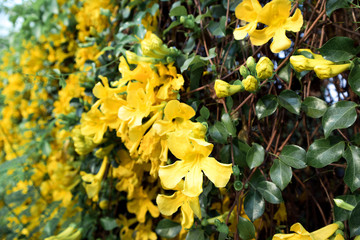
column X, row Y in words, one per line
column 255, row 156
column 340, row 115
column 285, row 72
column 354, row 221
column 196, row 233
column 280, row 174
column 178, row 11
column 254, row 205
column 290, row 101
column 314, row 107
column 246, row 229
column 218, row 132
column 294, row 156
column 266, row 106
column 342, row 214
column 229, row 124
column 204, row 112
column 218, row 28
column 338, row 49
column 332, row 5
column 167, row 228
column 270, row 192
column 354, row 77
column 352, row 172
column 324, row 151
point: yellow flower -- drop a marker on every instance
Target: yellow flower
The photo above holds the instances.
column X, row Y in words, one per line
column 143, row 232
column 248, row 11
column 302, row 63
column 264, row 68
column 275, row 15
column 329, row 71
column 224, row 89
column 70, row 233
column 301, row 233
column 142, row 203
column 168, row 205
column 92, row 183
column 250, row 83
column 194, row 159
column 93, row 125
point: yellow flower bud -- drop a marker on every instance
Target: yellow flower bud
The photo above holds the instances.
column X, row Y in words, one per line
column 302, row 63
column 104, row 204
column 329, row 71
column 224, row 89
column 250, row 83
column 264, row 68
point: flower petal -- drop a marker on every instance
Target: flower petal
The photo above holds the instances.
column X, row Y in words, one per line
column 168, row 205
column 241, row 32
column 175, row 109
column 260, row 37
column 325, row 232
column 280, row 41
column 295, row 22
column 195, row 206
column 171, row 175
column 299, row 229
column 193, row 181
column 218, row 173
column 187, row 216
column 248, row 10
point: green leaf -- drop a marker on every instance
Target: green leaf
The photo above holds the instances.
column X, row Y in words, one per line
column 178, row 11
column 314, row 107
column 354, row 77
column 280, row 174
column 332, row 5
column 324, row 151
column 218, row 28
column 354, row 221
column 338, row 49
column 108, row 223
column 167, row 228
column 204, row 112
column 352, row 172
column 294, row 156
column 197, row 234
column 284, row 72
column 246, row 229
column 171, row 26
column 270, row 192
column 255, row 156
column 266, row 106
column 342, row 214
column 340, row 115
column 229, row 124
column 254, row 205
column 218, row 132
column 290, row 101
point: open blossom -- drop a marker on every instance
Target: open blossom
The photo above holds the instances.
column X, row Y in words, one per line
column 275, row 15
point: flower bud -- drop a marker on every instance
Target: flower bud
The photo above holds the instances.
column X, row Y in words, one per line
column 236, row 170
column 224, row 89
column 250, row 83
column 238, row 185
column 329, row 71
column 264, row 68
column 244, row 71
column 251, row 64
column 302, row 63
column 341, row 225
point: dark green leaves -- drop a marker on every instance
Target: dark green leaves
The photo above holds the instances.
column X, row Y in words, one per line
column 290, row 101
column 255, row 156
column 270, row 192
column 354, row 221
column 338, row 49
column 266, row 106
column 108, row 223
column 178, row 11
column 352, row 172
column 167, row 228
column 294, row 156
column 324, row 151
column 332, row 5
column 218, row 132
column 254, row 205
column 314, row 107
column 354, row 77
column 246, row 229
column 229, row 124
column 340, row 115
column 280, row 174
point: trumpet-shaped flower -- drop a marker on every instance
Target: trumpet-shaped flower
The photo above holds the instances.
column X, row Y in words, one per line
column 301, row 233
column 248, row 11
column 92, row 183
column 168, row 205
column 194, row 161
column 142, row 203
column 224, row 89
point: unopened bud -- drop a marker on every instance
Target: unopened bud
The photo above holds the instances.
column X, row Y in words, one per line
column 329, row 71
column 238, row 185
column 251, row 64
column 264, row 68
column 224, row 89
column 250, row 83
column 340, row 224
column 244, row 71
column 236, row 170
